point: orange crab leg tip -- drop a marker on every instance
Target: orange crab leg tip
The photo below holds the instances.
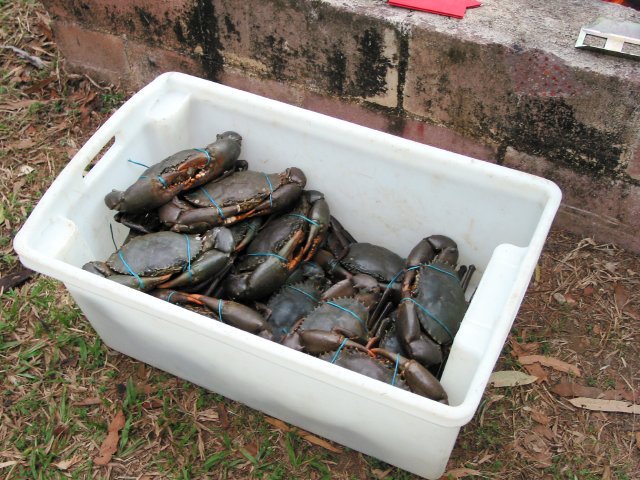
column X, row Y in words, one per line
column 193, row 163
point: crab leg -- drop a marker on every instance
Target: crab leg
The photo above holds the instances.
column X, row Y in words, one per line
column 419, row 379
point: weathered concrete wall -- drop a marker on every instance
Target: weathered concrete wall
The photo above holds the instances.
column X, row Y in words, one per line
column 505, row 84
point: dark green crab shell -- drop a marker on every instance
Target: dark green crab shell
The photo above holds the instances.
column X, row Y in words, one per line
column 379, row 262
column 270, row 239
column 290, row 303
column 360, row 362
column 245, row 189
column 327, row 316
column 442, row 297
column 157, row 254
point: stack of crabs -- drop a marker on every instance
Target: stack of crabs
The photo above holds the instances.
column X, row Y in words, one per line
column 259, row 252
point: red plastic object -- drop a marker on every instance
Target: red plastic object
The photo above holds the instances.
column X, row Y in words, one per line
column 450, row 8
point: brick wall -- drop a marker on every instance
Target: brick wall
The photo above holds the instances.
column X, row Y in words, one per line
column 505, row 84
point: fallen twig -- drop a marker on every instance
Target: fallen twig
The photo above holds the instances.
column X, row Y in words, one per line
column 32, row 59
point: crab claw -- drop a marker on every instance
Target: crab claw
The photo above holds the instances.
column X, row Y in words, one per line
column 418, row 378
column 146, row 193
column 231, row 313
column 316, row 342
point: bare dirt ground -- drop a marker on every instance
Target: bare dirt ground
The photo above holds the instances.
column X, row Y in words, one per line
column 71, row 407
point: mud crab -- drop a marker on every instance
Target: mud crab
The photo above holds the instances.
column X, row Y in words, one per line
column 279, row 248
column 169, row 259
column 377, row 363
column 181, row 171
column 347, row 317
column 292, row 302
column 433, row 300
column 229, row 312
column 241, row 195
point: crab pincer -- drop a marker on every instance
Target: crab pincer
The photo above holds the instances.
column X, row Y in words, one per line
column 183, row 170
column 229, row 312
column 418, row 378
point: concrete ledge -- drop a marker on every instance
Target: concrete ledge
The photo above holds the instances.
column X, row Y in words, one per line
column 505, row 84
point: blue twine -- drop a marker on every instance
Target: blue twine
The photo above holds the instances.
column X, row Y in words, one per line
column 395, row 278
column 188, row 256
column 433, row 267
column 204, row 190
column 395, row 370
column 137, row 277
column 348, row 311
column 206, row 153
column 124, row 262
column 220, row 309
column 424, row 309
column 138, row 163
column 268, row 254
column 162, row 180
column 270, row 189
column 337, row 354
column 333, row 264
column 170, row 295
column 312, row 222
column 303, row 292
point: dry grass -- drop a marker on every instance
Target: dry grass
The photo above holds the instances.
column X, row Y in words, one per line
column 61, row 387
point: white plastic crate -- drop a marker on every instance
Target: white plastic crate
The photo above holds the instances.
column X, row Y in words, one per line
column 384, row 189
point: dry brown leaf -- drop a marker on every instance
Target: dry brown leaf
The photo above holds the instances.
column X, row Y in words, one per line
column 621, row 295
column 544, row 431
column 541, row 418
column 535, row 449
column 110, row 444
column 638, row 440
column 596, row 329
column 209, row 415
column 516, row 348
column 618, row 394
column 510, row 378
column 152, row 403
column 531, row 347
column 17, row 105
column 632, row 312
column 606, row 474
column 141, row 371
column 22, row 144
column 67, row 464
column 251, row 449
column 601, row 405
column 550, row 362
column 536, row 370
column 88, row 402
column 279, row 424
column 588, row 291
column 224, row 416
column 460, row 473
column 318, row 441
column 10, row 463
column 381, row 474
column 570, row 389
